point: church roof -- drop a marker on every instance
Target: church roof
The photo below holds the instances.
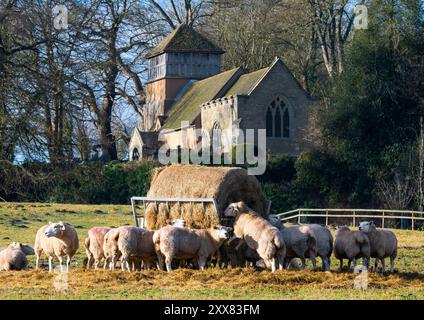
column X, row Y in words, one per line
column 188, row 107
column 246, row 83
column 148, row 138
column 184, row 39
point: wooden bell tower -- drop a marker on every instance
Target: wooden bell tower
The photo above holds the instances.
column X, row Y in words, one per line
column 182, row 57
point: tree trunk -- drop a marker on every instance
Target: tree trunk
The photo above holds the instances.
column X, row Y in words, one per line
column 107, row 140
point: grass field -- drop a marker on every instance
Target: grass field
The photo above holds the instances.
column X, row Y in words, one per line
column 20, row 221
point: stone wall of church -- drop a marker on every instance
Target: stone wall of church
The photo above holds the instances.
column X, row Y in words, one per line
column 278, row 84
column 220, row 114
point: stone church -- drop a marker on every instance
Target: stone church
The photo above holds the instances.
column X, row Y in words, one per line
column 186, row 86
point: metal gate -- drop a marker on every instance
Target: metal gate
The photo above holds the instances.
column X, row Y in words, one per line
column 139, row 218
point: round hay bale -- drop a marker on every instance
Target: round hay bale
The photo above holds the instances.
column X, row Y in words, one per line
column 163, row 215
column 225, row 184
column 151, row 216
column 186, row 213
column 175, row 212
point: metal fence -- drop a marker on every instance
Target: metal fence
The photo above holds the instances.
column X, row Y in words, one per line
column 355, row 215
column 139, row 218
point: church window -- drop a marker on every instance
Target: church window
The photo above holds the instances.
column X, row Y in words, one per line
column 135, row 155
column 278, row 119
column 216, row 136
column 286, row 124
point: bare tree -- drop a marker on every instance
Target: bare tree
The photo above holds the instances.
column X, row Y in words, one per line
column 333, row 23
column 397, row 193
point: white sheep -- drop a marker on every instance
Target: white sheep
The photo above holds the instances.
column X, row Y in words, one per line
column 299, row 244
column 351, row 245
column 110, row 249
column 94, row 245
column 259, row 234
column 56, row 240
column 13, row 257
column 184, row 243
column 136, row 244
column 324, row 241
column 383, row 244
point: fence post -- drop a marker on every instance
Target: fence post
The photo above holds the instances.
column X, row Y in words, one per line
column 382, row 222
column 413, row 222
column 144, row 213
column 354, row 217
column 326, row 218
column 298, row 217
column 134, row 213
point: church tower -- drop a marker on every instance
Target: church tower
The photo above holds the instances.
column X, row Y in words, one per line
column 183, row 56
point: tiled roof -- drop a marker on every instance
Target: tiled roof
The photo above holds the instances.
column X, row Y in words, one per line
column 184, row 39
column 246, row 83
column 188, row 107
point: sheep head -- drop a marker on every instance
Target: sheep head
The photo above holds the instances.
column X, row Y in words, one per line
column 55, row 229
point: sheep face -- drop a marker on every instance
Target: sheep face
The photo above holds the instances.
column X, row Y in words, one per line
column 55, row 230
column 28, row 250
column 366, row 226
column 235, row 208
column 275, row 221
column 222, row 232
column 178, row 223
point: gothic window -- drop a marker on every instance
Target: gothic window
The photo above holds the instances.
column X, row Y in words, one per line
column 278, row 119
column 286, row 124
column 216, row 136
column 135, row 155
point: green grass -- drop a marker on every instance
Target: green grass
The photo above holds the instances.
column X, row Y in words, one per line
column 19, row 222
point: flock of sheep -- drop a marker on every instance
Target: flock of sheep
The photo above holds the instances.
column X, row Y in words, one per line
column 252, row 240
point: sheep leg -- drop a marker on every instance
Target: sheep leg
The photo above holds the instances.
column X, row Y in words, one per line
column 365, row 262
column 202, row 262
column 88, row 261
column 273, row 265
column 68, row 262
column 314, row 263
column 61, row 263
column 376, row 265
column 303, row 263
column 324, row 264
column 281, row 262
column 392, row 264
column 125, row 264
column 37, row 261
column 349, row 263
column 383, row 265
column 112, row 263
column 160, row 263
column 50, row 264
column 341, row 265
column 168, row 262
